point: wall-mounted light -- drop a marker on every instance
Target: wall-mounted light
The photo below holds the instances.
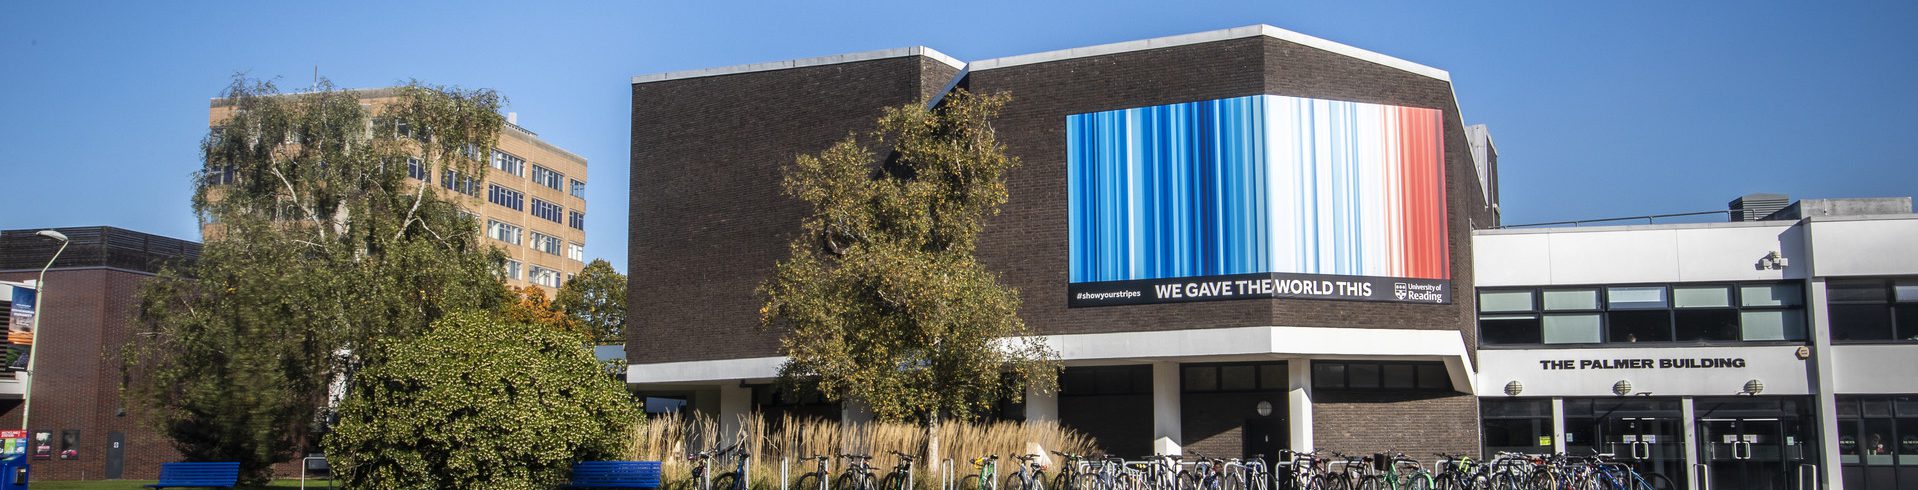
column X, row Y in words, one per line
column 1754, row 387
column 1265, row 408
column 1514, row 388
column 1773, row 261
column 1622, row 388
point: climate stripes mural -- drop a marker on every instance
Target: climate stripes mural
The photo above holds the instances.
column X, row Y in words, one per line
column 1263, row 185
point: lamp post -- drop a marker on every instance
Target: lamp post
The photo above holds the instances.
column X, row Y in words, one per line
column 39, row 310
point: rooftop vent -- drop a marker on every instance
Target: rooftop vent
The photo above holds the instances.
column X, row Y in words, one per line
column 1754, row 207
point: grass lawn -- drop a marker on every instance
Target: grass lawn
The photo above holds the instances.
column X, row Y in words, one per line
column 136, row 484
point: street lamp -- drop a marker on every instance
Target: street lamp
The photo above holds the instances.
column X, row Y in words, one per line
column 39, row 311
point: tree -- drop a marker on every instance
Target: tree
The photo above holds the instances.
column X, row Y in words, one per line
column 318, row 244
column 533, row 308
column 477, row 403
column 596, row 299
column 881, row 300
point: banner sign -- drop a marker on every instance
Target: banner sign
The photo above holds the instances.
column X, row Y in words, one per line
column 1262, row 196
column 1251, row 286
column 20, row 317
column 13, row 443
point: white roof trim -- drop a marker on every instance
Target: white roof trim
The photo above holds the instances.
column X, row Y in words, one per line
column 1210, row 36
column 805, row 62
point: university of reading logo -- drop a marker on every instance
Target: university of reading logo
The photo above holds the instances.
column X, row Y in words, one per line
column 1398, row 289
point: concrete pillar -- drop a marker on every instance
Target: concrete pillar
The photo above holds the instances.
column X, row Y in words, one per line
column 1168, row 426
column 735, row 401
column 1686, row 411
column 1041, row 406
column 1558, row 425
column 1824, row 392
column 1298, row 403
column 854, row 413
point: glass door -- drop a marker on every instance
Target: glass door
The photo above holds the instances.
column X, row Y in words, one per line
column 1653, row 445
column 1752, row 453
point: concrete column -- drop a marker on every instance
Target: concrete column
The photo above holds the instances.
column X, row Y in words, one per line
column 735, row 401
column 1824, row 393
column 1167, row 423
column 1686, row 411
column 854, row 413
column 1298, row 403
column 1041, row 406
column 1558, row 424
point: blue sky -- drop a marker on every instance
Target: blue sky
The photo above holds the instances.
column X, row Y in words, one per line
column 1600, row 109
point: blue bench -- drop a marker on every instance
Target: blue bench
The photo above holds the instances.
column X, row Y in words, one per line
column 615, row 474
column 213, row 475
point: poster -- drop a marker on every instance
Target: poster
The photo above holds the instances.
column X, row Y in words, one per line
column 42, row 444
column 13, row 443
column 1253, row 197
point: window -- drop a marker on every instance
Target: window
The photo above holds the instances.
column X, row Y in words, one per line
column 543, row 276
column 502, row 231
column 1106, row 380
column 578, row 188
column 1642, row 313
column 464, row 184
column 546, row 243
column 506, row 196
column 547, row 177
column 417, row 170
column 1201, row 378
column 1873, row 309
column 507, row 162
column 1520, row 425
column 1374, row 376
column 546, row 210
column 512, row 269
column 221, row 175
column 1877, row 436
column 576, row 252
column 576, row 220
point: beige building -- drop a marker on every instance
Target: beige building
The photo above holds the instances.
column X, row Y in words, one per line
column 531, row 203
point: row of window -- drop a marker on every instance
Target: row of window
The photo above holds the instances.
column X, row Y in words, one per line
column 1366, row 376
column 506, row 196
column 535, row 274
column 1643, row 313
column 547, row 211
column 510, row 233
column 1873, row 309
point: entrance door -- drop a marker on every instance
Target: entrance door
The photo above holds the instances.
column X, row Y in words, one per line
column 116, row 454
column 1654, row 445
column 1754, row 453
column 1265, row 437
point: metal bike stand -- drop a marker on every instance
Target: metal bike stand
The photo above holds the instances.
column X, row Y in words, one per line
column 306, row 461
column 945, row 475
column 784, row 470
column 1704, row 476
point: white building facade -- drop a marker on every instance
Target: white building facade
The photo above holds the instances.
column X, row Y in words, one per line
column 1759, row 354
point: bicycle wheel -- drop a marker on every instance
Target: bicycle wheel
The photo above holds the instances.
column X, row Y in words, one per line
column 809, row 481
column 1419, row 481
column 1660, row 482
column 968, row 482
column 853, row 481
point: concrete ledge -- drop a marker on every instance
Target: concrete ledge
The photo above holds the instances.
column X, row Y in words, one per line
column 803, row 62
column 1211, row 36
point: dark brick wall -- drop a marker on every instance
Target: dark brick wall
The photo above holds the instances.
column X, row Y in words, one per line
column 708, row 219
column 1214, row 422
column 1417, row 424
column 88, row 319
column 1122, row 424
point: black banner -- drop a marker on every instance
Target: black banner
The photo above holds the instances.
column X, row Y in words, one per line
column 1259, row 286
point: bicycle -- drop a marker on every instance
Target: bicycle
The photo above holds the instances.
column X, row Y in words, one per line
column 1384, row 473
column 988, row 477
column 702, row 467
column 738, row 478
column 901, row 476
column 1071, row 470
column 1029, row 475
column 858, row 473
column 816, row 479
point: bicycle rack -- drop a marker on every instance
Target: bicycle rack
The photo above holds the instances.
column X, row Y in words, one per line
column 945, row 474
column 1802, row 483
column 785, row 467
column 1704, row 476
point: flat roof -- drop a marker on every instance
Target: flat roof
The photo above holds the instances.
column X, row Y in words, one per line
column 1683, row 226
column 1256, row 30
column 804, row 62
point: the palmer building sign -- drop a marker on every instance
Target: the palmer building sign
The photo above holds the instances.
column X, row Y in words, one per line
column 1651, row 371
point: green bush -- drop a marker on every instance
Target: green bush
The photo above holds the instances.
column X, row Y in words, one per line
column 478, row 403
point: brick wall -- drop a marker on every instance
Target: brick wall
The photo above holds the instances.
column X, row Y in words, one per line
column 1417, row 424
column 1122, row 424
column 1214, row 423
column 708, row 219
column 88, row 317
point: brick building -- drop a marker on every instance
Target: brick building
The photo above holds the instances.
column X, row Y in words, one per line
column 1340, row 332
column 85, row 319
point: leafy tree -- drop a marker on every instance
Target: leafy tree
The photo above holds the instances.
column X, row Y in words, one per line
column 882, row 300
column 596, row 299
column 477, row 403
column 317, row 245
column 533, row 308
